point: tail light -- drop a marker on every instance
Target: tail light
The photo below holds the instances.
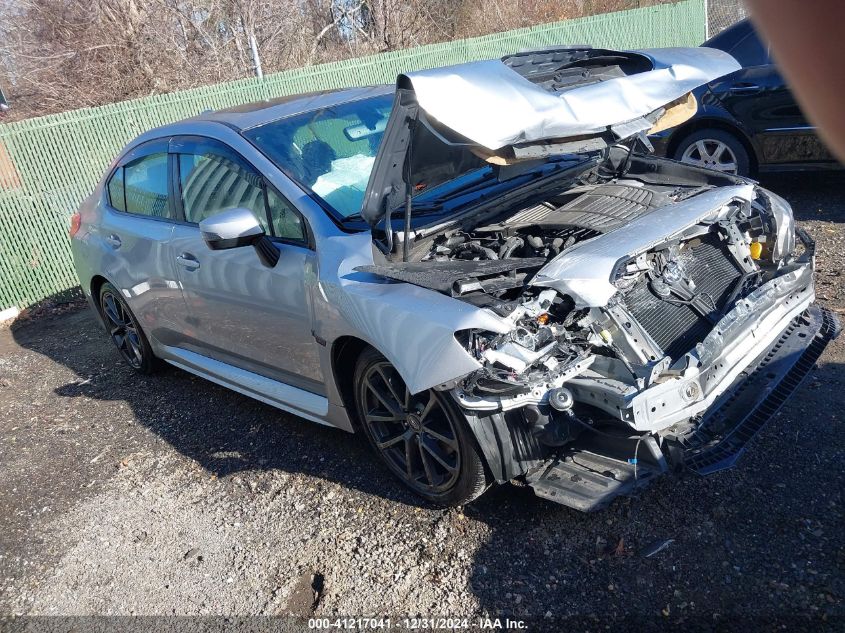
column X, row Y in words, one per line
column 75, row 223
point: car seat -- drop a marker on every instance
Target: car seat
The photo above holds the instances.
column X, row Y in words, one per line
column 317, row 157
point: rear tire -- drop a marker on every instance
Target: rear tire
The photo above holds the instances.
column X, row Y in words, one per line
column 125, row 332
column 422, row 438
column 714, row 149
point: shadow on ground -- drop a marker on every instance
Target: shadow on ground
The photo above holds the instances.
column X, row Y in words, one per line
column 221, row 430
column 813, row 196
column 758, row 539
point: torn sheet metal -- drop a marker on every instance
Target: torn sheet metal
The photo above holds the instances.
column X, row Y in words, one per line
column 584, row 271
column 494, row 106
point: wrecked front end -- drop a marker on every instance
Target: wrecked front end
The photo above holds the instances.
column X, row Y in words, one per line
column 664, row 343
column 650, row 315
column 655, row 322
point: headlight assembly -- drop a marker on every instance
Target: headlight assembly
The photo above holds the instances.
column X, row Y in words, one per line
column 784, row 225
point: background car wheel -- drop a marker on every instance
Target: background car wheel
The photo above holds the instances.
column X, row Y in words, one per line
column 420, row 437
column 125, row 332
column 714, row 149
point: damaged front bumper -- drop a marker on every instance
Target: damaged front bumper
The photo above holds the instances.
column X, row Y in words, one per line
column 697, row 415
column 669, row 396
column 758, row 393
column 595, row 470
column 707, row 371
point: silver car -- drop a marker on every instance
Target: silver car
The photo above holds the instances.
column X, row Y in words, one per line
column 481, row 268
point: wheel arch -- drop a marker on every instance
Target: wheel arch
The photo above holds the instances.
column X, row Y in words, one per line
column 505, row 450
column 716, row 123
column 344, row 355
column 345, row 352
column 94, row 286
column 96, row 283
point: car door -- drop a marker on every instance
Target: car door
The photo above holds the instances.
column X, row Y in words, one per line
column 759, row 97
column 239, row 310
column 138, row 217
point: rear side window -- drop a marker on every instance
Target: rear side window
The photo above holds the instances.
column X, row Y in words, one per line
column 117, row 192
column 212, row 183
column 143, row 185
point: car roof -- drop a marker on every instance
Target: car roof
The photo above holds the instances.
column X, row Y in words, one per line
column 250, row 115
column 730, row 37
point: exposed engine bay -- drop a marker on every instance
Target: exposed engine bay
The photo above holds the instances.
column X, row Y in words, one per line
column 623, row 294
column 546, row 229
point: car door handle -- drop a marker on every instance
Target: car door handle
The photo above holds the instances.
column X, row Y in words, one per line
column 188, row 261
column 745, row 88
column 113, row 241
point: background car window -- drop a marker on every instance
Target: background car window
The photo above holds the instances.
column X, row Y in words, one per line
column 730, row 37
column 146, row 186
column 117, row 192
column 750, row 51
column 212, row 183
column 285, row 219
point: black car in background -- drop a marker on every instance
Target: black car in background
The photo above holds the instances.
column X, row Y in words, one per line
column 747, row 122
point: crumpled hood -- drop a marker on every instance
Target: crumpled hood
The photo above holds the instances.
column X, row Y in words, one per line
column 562, row 96
column 492, row 104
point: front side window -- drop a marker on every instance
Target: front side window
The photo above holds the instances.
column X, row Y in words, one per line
column 751, row 52
column 144, row 184
column 212, row 183
column 728, row 38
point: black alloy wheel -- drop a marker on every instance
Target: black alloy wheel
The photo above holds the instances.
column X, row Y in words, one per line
column 421, row 437
column 125, row 332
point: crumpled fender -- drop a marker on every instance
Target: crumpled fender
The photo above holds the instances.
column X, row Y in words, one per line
column 413, row 327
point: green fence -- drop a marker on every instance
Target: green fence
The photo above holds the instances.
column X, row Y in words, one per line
column 49, row 164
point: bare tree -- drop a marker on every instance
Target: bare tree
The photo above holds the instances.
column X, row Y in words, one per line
column 62, row 54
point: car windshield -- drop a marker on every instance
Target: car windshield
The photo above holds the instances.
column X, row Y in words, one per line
column 330, row 150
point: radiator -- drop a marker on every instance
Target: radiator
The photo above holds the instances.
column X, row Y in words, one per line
column 677, row 328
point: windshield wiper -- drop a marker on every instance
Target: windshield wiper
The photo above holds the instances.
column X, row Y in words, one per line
column 471, row 187
column 427, row 207
column 433, row 205
column 548, row 181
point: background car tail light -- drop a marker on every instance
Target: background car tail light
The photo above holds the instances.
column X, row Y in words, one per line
column 75, row 223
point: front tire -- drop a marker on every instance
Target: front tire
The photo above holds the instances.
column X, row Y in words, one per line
column 125, row 332
column 714, row 149
column 422, row 437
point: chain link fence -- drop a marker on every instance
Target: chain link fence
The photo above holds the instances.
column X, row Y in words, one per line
column 723, row 13
column 49, row 164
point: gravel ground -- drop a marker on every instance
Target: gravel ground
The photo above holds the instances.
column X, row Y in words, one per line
column 168, row 495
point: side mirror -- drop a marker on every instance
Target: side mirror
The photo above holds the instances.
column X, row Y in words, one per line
column 235, row 228
column 231, row 229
